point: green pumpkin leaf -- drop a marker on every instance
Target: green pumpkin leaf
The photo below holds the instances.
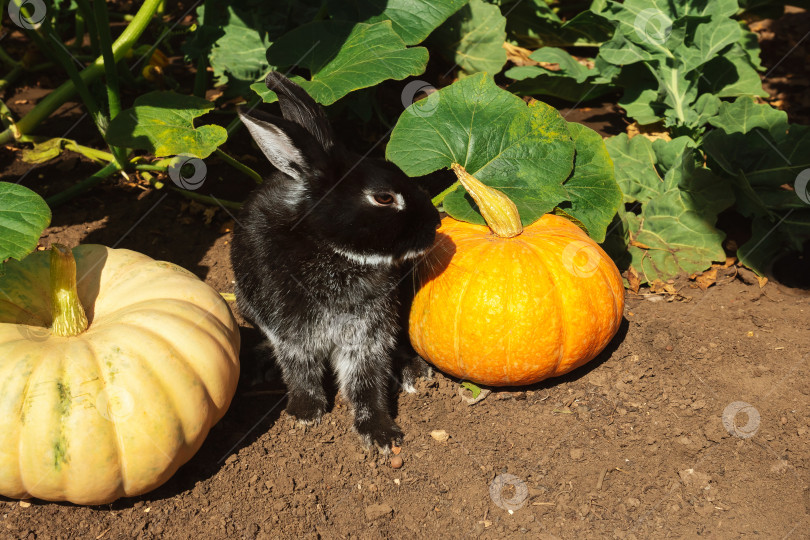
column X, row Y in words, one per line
column 669, row 55
column 163, row 124
column 771, row 236
column 234, row 35
column 343, row 57
column 413, row 20
column 473, row 38
column 534, row 24
column 745, row 114
column 678, row 202
column 523, row 150
column 592, row 190
column 23, row 217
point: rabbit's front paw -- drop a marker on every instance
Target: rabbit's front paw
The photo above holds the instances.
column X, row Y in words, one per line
column 305, row 409
column 380, row 431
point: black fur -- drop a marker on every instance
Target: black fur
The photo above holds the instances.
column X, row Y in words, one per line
column 317, row 261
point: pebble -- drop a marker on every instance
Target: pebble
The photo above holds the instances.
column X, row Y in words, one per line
column 396, row 462
column 440, row 435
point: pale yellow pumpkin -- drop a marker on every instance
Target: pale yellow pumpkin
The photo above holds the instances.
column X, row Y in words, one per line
column 114, row 410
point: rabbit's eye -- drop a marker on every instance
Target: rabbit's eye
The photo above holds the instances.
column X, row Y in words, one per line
column 384, row 199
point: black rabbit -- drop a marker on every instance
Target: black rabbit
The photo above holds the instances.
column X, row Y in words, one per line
column 318, row 251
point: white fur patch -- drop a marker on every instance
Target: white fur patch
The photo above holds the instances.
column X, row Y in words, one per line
column 370, row 259
column 413, row 254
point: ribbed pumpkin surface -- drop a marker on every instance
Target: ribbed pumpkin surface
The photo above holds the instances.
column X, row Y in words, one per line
column 514, row 311
column 113, row 411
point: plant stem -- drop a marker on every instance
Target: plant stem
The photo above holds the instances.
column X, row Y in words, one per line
column 87, row 15
column 91, row 153
column 498, row 210
column 102, row 23
column 201, row 77
column 62, row 57
column 56, row 98
column 207, row 199
column 239, row 166
column 10, row 77
column 7, row 60
column 149, row 167
column 439, row 199
column 68, row 314
column 80, row 187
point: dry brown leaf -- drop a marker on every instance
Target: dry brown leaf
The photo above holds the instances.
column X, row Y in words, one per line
column 633, row 279
column 706, row 279
column 209, row 213
column 518, row 55
column 730, row 261
column 659, row 287
column 651, row 131
column 762, row 281
column 639, row 245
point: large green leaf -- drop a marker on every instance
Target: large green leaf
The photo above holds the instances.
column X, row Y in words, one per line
column 413, row 20
column 745, row 114
column 771, row 236
column 572, row 81
column 523, row 150
column 535, row 24
column 240, row 52
column 761, row 149
column 233, row 35
column 163, row 124
column 677, row 201
column 343, row 57
column 473, row 38
column 23, row 217
column 593, row 194
column 765, row 158
column 688, row 50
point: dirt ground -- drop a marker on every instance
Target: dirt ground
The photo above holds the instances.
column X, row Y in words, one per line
column 693, row 422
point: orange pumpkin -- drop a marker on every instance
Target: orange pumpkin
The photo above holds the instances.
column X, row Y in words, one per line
column 507, row 306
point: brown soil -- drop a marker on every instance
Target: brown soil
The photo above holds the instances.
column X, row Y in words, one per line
column 642, row 442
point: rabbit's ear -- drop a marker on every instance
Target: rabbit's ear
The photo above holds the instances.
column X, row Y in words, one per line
column 287, row 145
column 299, row 107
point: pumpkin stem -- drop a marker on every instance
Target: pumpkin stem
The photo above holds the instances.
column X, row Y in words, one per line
column 68, row 314
column 498, row 210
